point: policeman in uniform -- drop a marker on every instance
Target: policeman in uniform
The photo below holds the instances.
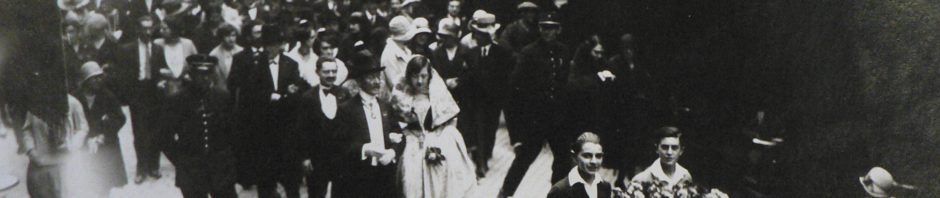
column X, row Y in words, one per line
column 537, row 105
column 199, row 128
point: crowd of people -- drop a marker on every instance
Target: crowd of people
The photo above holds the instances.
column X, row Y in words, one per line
column 404, row 97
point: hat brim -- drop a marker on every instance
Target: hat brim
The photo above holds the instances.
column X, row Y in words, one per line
column 96, row 74
column 406, row 36
column 492, row 29
column 62, row 5
column 363, row 73
column 872, row 190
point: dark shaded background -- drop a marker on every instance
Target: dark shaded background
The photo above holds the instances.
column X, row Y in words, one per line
column 854, row 83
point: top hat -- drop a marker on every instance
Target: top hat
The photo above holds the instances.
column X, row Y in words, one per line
column 362, row 65
column 271, row 35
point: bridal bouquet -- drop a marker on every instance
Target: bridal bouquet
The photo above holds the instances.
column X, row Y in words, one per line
column 433, row 155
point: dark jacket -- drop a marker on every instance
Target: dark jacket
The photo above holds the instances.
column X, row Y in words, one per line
column 315, row 129
column 200, row 139
column 519, row 34
column 352, row 133
column 488, row 77
column 105, row 118
column 541, row 73
column 562, row 189
column 267, row 124
column 125, row 75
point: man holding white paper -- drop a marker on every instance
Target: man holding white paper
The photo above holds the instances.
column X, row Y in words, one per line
column 370, row 137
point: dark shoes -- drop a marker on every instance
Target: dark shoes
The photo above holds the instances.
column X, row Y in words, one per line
column 142, row 176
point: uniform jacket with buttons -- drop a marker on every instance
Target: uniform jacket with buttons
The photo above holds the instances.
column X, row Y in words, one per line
column 541, row 72
column 200, row 134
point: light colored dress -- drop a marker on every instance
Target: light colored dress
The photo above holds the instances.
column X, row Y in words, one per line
column 454, row 176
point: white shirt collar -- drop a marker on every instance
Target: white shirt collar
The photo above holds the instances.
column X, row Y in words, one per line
column 366, row 98
column 656, row 169
column 574, row 177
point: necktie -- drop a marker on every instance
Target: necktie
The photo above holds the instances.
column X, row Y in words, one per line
column 484, row 51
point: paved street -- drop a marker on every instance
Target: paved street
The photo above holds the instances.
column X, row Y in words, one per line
column 534, row 185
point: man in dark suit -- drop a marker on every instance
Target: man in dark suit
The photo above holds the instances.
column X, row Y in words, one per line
column 538, row 113
column 583, row 181
column 369, row 139
column 243, row 64
column 316, row 111
column 269, row 97
column 201, row 142
column 136, row 81
column 488, row 87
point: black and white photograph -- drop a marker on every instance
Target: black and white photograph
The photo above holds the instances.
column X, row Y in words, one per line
column 469, row 98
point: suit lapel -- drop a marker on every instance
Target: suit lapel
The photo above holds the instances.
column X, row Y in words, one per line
column 604, row 190
column 265, row 70
column 282, row 72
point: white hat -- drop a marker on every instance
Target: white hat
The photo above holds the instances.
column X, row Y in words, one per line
column 71, row 4
column 401, row 29
column 420, row 22
column 88, row 70
column 447, row 27
column 407, row 2
column 877, row 182
column 487, row 19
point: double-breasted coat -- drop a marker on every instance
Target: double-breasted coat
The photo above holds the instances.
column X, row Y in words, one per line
column 201, row 139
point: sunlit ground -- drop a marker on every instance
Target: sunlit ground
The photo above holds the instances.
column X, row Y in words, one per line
column 534, row 185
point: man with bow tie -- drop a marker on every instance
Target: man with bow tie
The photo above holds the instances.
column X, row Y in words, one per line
column 316, row 112
column 268, row 100
column 369, row 138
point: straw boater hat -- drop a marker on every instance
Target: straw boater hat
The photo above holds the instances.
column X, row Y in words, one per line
column 482, row 18
column 401, row 29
